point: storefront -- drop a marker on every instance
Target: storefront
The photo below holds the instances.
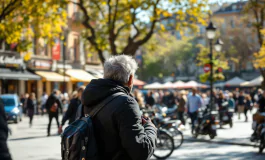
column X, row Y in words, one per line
column 95, row 70
column 49, row 80
column 78, row 77
column 13, row 75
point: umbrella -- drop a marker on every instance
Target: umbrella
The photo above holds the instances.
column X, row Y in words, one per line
column 155, row 85
column 178, row 84
column 236, row 81
column 137, row 82
column 255, row 82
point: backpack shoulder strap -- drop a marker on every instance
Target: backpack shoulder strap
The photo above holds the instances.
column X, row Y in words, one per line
column 98, row 107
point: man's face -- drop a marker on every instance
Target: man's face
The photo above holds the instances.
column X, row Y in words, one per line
column 194, row 91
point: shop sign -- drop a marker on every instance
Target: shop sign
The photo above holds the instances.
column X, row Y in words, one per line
column 11, row 60
column 56, row 51
column 37, row 64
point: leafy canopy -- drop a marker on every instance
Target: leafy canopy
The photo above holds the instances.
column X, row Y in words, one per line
column 21, row 20
column 122, row 26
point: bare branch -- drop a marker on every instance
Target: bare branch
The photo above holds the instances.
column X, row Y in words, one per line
column 92, row 38
column 133, row 23
column 150, row 33
column 8, row 9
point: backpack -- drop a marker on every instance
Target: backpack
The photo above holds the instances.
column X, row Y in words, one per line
column 54, row 107
column 78, row 139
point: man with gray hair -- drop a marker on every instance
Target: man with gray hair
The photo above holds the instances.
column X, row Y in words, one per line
column 120, row 131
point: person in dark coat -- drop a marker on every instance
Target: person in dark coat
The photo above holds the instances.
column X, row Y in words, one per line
column 72, row 108
column 150, row 101
column 120, row 131
column 53, row 105
column 4, row 152
column 31, row 107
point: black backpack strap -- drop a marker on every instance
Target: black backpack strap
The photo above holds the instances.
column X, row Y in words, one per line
column 79, row 112
column 98, row 107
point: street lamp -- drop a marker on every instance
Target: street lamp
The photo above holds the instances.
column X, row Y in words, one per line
column 210, row 33
column 218, row 45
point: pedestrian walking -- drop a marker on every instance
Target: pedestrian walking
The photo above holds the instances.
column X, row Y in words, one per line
column 53, row 105
column 241, row 104
column 182, row 106
column 248, row 106
column 194, row 103
column 31, row 107
column 120, row 131
column 44, row 98
column 70, row 114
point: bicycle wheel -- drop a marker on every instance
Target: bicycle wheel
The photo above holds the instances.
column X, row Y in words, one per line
column 178, row 136
column 164, row 145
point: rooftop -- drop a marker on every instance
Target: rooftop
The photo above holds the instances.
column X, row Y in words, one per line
column 231, row 8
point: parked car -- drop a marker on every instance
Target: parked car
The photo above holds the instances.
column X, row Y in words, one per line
column 13, row 107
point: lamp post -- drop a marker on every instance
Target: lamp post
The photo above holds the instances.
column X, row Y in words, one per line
column 210, row 33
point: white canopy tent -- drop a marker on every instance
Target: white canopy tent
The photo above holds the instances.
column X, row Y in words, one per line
column 234, row 82
column 255, row 82
column 194, row 84
column 154, row 85
column 178, row 84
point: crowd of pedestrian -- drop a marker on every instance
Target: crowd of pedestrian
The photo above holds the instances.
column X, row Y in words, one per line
column 189, row 101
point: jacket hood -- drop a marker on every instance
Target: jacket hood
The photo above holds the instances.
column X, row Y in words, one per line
column 99, row 89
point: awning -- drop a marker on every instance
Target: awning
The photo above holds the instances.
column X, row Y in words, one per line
column 52, row 76
column 79, row 75
column 138, row 82
column 10, row 74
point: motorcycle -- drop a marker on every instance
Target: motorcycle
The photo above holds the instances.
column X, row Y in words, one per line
column 226, row 115
column 206, row 123
column 258, row 126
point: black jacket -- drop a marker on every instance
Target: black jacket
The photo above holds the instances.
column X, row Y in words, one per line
column 71, row 111
column 4, row 153
column 51, row 100
column 118, row 126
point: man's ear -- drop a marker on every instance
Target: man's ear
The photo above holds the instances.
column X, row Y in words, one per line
column 130, row 83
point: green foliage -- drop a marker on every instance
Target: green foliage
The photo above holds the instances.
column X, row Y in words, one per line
column 219, row 61
column 163, row 53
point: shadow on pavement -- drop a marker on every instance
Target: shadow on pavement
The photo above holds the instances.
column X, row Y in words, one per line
column 33, row 137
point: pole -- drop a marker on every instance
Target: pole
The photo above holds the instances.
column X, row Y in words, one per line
column 211, row 74
column 64, row 83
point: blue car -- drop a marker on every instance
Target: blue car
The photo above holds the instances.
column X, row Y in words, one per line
column 13, row 107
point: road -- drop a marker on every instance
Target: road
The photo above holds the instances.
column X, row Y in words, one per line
column 32, row 143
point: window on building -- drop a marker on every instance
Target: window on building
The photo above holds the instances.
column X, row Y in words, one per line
column 76, row 50
column 232, row 66
column 249, row 66
column 234, row 7
column 232, row 23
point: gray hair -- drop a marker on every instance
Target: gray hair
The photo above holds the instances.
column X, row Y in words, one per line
column 120, row 68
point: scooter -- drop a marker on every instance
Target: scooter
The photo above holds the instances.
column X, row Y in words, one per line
column 227, row 115
column 206, row 123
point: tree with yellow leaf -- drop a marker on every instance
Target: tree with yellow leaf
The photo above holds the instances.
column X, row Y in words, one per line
column 219, row 63
column 122, row 26
column 24, row 20
column 255, row 11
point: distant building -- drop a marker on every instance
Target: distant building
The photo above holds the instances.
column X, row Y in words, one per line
column 233, row 26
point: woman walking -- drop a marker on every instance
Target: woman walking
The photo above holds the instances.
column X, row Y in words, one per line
column 248, row 106
column 31, row 102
